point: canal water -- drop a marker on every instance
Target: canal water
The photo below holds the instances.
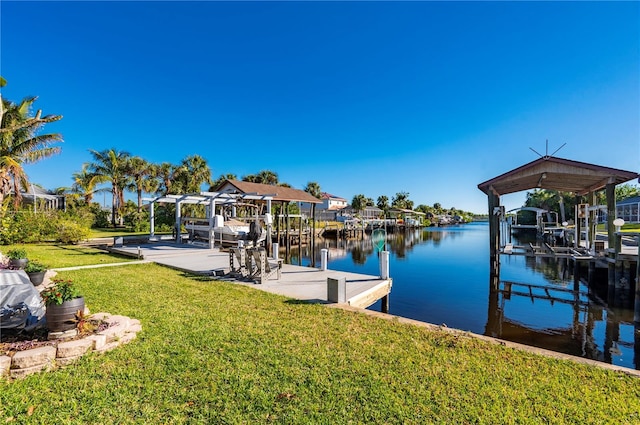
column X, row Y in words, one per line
column 441, row 276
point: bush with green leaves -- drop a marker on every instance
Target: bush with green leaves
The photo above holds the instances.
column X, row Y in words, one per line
column 27, row 226
column 17, row 254
column 100, row 216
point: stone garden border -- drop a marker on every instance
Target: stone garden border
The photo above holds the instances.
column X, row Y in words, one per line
column 122, row 330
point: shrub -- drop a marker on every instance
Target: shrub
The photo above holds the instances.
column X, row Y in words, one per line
column 71, row 232
column 17, row 254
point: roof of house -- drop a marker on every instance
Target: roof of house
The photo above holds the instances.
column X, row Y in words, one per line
column 326, row 195
column 38, row 191
column 556, row 174
column 629, row 201
column 279, row 193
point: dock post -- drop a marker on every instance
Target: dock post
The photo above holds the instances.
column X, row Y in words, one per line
column 337, row 290
column 324, row 257
column 384, row 306
column 592, row 271
column 384, row 264
column 636, row 316
column 275, row 248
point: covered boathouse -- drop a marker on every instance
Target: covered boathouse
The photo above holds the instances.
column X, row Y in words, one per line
column 584, row 180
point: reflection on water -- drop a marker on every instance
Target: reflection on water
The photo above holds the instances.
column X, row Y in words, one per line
column 441, row 276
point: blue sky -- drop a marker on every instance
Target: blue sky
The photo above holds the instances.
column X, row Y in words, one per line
column 430, row 98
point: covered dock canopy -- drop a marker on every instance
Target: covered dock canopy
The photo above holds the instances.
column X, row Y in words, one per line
column 557, row 174
column 209, row 199
column 552, row 173
column 278, row 193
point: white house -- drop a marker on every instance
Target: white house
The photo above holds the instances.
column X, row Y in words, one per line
column 329, row 207
column 629, row 209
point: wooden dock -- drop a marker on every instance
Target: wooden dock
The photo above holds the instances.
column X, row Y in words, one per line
column 301, row 283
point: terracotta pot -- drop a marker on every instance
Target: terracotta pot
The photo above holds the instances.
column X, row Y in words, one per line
column 62, row 317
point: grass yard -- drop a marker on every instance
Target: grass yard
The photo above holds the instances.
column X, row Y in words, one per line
column 216, row 352
column 59, row 256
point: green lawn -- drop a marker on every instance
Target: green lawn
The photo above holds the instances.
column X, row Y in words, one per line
column 216, row 352
column 58, row 256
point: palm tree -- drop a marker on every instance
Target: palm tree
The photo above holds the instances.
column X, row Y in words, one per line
column 314, row 189
column 109, row 166
column 358, row 203
column 264, row 177
column 84, row 183
column 383, row 203
column 164, row 174
column 222, row 179
column 137, row 169
column 21, row 144
column 401, row 200
column 192, row 172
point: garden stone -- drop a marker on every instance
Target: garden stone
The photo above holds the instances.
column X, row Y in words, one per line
column 67, row 360
column 21, row 373
column 71, row 333
column 114, row 332
column 98, row 341
column 108, row 347
column 135, row 328
column 128, row 337
column 42, row 356
column 74, row 348
column 5, row 364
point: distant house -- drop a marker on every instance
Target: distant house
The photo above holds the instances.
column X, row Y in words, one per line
column 408, row 217
column 41, row 198
column 368, row 213
column 629, row 209
column 328, row 209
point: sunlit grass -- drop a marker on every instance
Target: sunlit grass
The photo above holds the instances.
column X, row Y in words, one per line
column 59, row 256
column 216, row 352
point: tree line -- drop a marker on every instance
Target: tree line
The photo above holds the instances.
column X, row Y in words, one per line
column 117, row 172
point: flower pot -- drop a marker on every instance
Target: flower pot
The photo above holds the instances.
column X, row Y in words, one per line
column 19, row 263
column 36, row 277
column 62, row 317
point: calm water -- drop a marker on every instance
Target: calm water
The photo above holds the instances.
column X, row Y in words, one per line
column 441, row 276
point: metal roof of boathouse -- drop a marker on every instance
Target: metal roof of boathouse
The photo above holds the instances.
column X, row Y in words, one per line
column 278, row 193
column 557, row 174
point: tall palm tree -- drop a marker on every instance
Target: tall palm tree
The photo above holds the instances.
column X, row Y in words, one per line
column 164, row 174
column 84, row 183
column 21, row 144
column 264, row 177
column 109, row 166
column 138, row 169
column 192, row 173
column 313, row 188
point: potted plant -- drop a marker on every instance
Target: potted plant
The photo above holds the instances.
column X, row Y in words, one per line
column 63, row 304
column 17, row 258
column 36, row 272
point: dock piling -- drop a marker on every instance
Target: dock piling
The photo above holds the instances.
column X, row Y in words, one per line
column 337, row 290
column 324, row 257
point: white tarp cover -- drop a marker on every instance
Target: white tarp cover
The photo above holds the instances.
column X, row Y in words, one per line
column 16, row 288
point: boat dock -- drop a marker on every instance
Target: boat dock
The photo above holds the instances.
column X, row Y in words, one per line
column 301, row 283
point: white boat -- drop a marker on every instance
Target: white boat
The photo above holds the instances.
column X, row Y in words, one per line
column 231, row 232
column 225, row 232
